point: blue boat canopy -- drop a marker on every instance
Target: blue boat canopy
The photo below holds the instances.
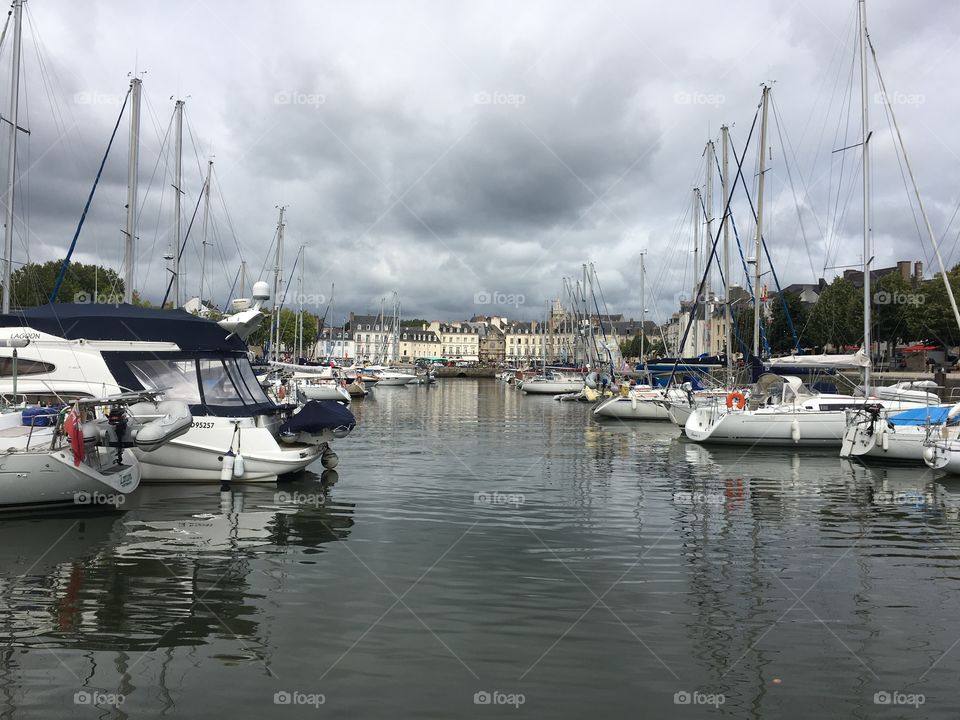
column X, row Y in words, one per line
column 921, row 416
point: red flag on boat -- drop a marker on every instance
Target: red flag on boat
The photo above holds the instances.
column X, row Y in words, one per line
column 74, row 430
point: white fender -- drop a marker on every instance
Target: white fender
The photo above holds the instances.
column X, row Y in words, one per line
column 633, row 400
column 885, row 441
column 795, row 431
column 226, row 471
column 238, row 468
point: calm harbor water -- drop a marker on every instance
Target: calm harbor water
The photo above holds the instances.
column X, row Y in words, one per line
column 483, row 554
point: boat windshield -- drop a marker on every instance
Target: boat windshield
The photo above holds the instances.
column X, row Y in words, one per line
column 224, row 382
column 177, row 378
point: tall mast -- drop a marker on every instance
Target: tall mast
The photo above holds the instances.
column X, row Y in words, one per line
column 643, row 306
column 695, row 304
column 206, row 218
column 243, row 278
column 758, row 248
column 12, row 156
column 133, row 174
column 300, row 314
column 587, row 351
column 277, row 285
column 708, row 243
column 728, row 332
column 867, row 245
column 178, row 177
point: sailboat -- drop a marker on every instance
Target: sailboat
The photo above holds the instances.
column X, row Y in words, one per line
column 780, row 409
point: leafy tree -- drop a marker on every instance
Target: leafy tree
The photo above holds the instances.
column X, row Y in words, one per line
column 779, row 335
column 32, row 284
column 933, row 318
column 288, row 331
column 837, row 318
column 893, row 309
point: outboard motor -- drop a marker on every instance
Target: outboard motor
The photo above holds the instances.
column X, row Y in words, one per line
column 117, row 422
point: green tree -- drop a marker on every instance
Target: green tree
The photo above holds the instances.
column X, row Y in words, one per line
column 893, row 308
column 933, row 318
column 779, row 335
column 837, row 317
column 33, row 283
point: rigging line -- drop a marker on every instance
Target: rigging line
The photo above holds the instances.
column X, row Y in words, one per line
column 739, row 176
column 803, row 231
column 773, row 271
column 223, row 203
column 161, row 155
column 266, row 259
column 833, row 237
column 83, row 216
column 183, row 246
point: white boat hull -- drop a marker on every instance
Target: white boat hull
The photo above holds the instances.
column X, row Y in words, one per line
column 775, row 427
column 50, row 479
column 551, row 387
column 327, row 391
column 198, row 455
column 626, row 408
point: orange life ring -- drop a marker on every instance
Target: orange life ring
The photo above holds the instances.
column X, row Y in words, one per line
column 282, row 393
column 736, row 398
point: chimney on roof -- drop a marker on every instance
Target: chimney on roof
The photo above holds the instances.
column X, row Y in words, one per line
column 918, row 272
column 903, row 267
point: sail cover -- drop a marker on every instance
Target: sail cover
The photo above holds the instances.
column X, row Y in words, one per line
column 859, row 359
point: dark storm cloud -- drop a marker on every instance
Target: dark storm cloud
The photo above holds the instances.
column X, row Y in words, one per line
column 448, row 152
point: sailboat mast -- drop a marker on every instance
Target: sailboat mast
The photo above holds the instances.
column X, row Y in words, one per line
column 758, row 247
column 12, row 155
column 133, row 175
column 707, row 244
column 728, row 331
column 867, row 245
column 300, row 297
column 178, row 177
column 695, row 304
column 643, row 305
column 277, row 283
column 206, row 218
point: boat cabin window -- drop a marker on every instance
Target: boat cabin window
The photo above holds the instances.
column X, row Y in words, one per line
column 251, row 383
column 218, row 386
column 177, row 378
column 25, row 366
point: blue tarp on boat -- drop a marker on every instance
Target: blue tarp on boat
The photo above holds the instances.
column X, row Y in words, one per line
column 921, row 416
column 319, row 415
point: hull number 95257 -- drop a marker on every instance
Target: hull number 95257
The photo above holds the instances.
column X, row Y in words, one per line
column 205, row 425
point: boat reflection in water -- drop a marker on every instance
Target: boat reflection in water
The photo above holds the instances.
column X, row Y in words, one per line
column 150, row 577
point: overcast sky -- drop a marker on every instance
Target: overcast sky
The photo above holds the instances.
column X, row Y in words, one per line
column 457, row 152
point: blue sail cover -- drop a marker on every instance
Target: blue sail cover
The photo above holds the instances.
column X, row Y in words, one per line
column 319, row 415
column 921, row 416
